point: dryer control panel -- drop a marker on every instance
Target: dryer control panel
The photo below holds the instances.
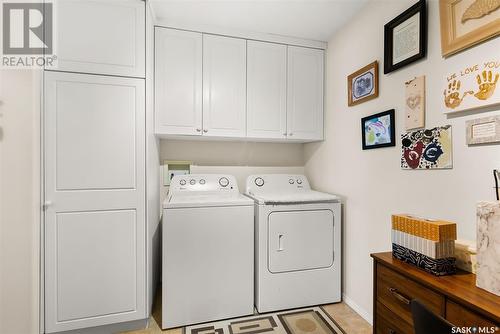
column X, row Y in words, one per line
column 274, row 183
column 203, row 182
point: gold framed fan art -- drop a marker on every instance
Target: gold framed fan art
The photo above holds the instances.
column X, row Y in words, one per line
column 465, row 23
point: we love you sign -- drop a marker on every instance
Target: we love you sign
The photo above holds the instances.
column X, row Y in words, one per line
column 472, row 86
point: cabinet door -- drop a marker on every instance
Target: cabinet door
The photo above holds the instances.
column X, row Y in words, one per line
column 266, row 90
column 305, row 93
column 95, row 198
column 224, row 86
column 178, row 80
column 101, row 37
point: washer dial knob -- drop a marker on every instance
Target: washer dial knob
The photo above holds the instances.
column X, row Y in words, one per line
column 259, row 182
column 291, row 181
column 182, row 182
column 202, row 181
column 192, row 182
column 299, row 181
column 223, row 181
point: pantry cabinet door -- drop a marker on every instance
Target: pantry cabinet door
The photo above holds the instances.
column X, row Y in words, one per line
column 100, row 37
column 266, row 90
column 178, row 82
column 224, row 86
column 305, row 93
column 94, row 174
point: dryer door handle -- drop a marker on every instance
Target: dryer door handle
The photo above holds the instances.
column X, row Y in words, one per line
column 280, row 242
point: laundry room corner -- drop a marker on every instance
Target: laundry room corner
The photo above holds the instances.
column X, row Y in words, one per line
column 371, row 183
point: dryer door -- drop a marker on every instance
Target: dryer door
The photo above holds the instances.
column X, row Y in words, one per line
column 300, row 240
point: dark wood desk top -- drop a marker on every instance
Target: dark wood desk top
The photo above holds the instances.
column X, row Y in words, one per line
column 460, row 287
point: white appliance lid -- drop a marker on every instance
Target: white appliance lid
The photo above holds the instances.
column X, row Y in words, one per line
column 284, row 189
column 206, row 200
column 204, row 190
column 294, row 198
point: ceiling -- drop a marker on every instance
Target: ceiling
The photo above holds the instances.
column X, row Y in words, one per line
column 309, row 19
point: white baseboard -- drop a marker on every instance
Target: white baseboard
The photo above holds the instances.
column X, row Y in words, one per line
column 359, row 310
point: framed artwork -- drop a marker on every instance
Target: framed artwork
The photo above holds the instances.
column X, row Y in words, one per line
column 378, row 130
column 483, row 130
column 496, row 175
column 465, row 23
column 363, row 84
column 427, row 149
column 405, row 38
column 473, row 85
column 415, row 103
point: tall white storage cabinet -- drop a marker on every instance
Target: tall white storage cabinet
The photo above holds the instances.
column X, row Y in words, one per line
column 95, row 186
column 305, row 93
column 101, row 37
column 266, row 90
column 224, row 86
column 178, row 81
column 95, row 168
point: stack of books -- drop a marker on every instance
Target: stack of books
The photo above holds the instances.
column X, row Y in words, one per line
column 427, row 244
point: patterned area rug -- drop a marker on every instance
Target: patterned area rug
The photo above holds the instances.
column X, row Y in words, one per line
column 311, row 320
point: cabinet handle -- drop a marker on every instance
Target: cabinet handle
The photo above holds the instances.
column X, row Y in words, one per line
column 205, row 130
column 284, row 134
column 399, row 296
column 198, row 130
column 290, row 134
column 391, row 331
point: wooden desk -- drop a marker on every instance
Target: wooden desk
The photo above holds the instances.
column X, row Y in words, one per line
column 454, row 297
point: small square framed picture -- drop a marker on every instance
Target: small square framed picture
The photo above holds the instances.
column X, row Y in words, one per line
column 378, row 130
column 363, row 84
column 405, row 37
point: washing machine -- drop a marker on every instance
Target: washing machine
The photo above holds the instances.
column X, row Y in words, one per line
column 297, row 243
column 208, row 251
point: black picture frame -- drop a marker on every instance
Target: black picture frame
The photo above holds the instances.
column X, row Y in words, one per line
column 419, row 7
column 392, row 129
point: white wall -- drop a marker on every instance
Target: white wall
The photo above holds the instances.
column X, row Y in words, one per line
column 371, row 182
column 19, row 201
column 152, row 172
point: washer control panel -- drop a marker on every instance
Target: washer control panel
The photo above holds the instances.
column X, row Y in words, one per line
column 267, row 183
column 203, row 182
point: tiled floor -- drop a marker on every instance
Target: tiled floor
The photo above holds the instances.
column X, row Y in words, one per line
column 344, row 316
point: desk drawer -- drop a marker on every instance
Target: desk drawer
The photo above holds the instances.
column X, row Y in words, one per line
column 396, row 291
column 463, row 317
column 390, row 323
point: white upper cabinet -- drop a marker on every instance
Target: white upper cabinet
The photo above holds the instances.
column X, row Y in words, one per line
column 100, row 37
column 217, row 86
column 305, row 93
column 266, row 90
column 224, row 86
column 178, row 82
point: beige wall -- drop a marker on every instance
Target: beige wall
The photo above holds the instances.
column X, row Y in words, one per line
column 19, row 201
column 236, row 158
column 372, row 182
column 233, row 153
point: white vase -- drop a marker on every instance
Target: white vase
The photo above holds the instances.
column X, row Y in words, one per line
column 488, row 247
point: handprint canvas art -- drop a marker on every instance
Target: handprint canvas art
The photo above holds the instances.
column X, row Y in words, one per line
column 473, row 86
column 427, row 149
